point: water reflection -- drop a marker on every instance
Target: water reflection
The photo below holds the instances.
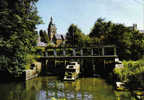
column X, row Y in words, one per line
column 49, row 88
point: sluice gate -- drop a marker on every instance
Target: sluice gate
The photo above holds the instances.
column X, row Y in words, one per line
column 91, row 59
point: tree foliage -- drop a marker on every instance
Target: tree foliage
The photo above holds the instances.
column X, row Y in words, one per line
column 132, row 73
column 74, row 36
column 129, row 42
column 44, row 36
column 18, row 20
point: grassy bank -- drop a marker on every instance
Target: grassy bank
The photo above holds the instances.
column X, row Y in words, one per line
column 132, row 73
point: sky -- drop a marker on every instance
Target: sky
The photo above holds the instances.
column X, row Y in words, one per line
column 84, row 13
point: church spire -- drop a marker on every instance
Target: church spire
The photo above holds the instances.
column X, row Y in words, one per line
column 51, row 29
column 51, row 20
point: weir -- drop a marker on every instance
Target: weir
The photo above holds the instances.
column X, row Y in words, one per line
column 92, row 59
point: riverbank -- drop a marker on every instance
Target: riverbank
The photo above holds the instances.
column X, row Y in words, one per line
column 22, row 75
column 132, row 74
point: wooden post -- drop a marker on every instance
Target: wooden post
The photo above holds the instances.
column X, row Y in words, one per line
column 43, row 65
column 54, row 63
column 82, row 66
column 93, row 66
column 64, row 62
column 64, row 52
column 55, row 53
column 104, row 64
column 81, row 52
column 46, row 65
column 115, row 51
column 92, row 52
column 74, row 52
column 46, row 53
column 103, row 51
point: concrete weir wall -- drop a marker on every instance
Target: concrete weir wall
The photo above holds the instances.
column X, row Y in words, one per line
column 33, row 72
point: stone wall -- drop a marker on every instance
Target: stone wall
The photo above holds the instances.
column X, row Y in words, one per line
column 33, row 72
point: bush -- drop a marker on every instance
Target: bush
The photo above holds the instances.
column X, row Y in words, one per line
column 132, row 72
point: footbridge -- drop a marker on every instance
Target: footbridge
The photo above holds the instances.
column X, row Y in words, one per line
column 95, row 55
column 108, row 51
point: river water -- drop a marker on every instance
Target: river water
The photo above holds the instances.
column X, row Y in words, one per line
column 50, row 88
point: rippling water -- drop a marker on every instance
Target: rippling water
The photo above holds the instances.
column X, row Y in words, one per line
column 50, row 88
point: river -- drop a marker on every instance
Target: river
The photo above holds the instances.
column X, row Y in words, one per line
column 50, row 88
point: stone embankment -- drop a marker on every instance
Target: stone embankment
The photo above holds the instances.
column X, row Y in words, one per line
column 33, row 71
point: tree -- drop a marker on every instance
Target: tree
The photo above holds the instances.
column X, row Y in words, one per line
column 137, row 45
column 98, row 28
column 74, row 36
column 54, row 40
column 129, row 42
column 101, row 30
column 44, row 36
column 18, row 20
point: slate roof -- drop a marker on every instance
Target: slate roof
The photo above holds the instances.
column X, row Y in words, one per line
column 142, row 31
column 59, row 36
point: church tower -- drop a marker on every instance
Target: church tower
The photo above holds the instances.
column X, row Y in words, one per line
column 51, row 29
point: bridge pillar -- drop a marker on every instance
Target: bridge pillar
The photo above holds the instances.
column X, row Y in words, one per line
column 93, row 66
column 74, row 52
column 92, row 52
column 64, row 52
column 81, row 52
column 55, row 53
column 115, row 53
column 65, row 62
column 43, row 65
column 55, row 63
column 103, row 51
column 46, row 53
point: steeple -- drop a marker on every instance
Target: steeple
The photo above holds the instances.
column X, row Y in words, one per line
column 51, row 29
column 51, row 19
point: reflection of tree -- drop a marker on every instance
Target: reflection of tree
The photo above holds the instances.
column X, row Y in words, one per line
column 75, row 85
column 22, row 90
column 18, row 92
column 125, row 95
